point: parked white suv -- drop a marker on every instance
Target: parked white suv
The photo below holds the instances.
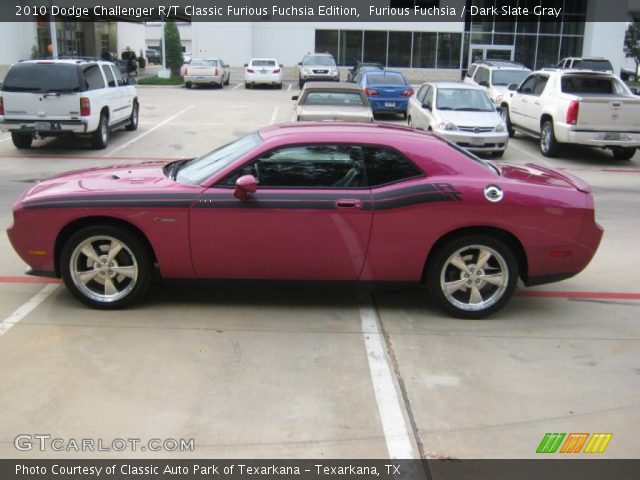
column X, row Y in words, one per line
column 57, row 97
column 495, row 76
column 575, row 107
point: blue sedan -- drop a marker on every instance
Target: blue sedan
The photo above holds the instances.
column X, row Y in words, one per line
column 387, row 91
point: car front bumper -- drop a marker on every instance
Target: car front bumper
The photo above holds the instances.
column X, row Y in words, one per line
column 476, row 142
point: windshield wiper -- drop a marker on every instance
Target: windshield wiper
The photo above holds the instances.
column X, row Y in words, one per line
column 470, row 109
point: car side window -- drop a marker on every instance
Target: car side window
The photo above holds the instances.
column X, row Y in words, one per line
column 93, row 77
column 308, row 166
column 541, row 83
column 111, row 80
column 428, row 98
column 119, row 78
column 482, row 75
column 385, row 166
column 471, row 71
column 528, row 85
column 422, row 92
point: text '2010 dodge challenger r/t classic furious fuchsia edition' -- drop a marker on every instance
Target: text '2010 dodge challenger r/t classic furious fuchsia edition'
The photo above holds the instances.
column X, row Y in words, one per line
column 312, row 201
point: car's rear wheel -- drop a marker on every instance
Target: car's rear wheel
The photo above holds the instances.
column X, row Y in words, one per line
column 549, row 146
column 100, row 138
column 106, row 267
column 133, row 119
column 22, row 140
column 188, row 85
column 623, row 153
column 247, row 86
column 472, row 276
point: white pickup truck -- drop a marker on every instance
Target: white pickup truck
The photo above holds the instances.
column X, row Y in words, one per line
column 575, row 107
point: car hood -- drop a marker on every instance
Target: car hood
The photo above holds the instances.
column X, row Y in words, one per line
column 331, row 112
column 471, row 119
column 143, row 177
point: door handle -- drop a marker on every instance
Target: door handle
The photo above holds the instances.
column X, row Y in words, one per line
column 349, row 203
column 523, row 100
column 537, row 103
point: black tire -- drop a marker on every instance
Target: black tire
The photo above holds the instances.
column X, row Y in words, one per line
column 623, row 153
column 93, row 292
column 188, row 85
column 280, row 86
column 22, row 140
column 247, row 86
column 100, row 138
column 498, row 153
column 301, row 83
column 507, row 120
column 228, row 80
column 133, row 119
column 404, row 115
column 549, row 146
column 409, row 122
column 459, row 302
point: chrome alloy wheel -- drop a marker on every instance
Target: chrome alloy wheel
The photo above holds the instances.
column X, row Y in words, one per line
column 474, row 278
column 545, row 138
column 103, row 269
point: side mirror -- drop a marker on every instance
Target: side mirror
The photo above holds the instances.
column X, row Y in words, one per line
column 131, row 81
column 300, row 63
column 245, row 185
column 246, row 64
column 281, row 65
column 295, row 97
column 484, row 83
column 427, row 106
column 634, row 90
column 512, row 86
column 498, row 109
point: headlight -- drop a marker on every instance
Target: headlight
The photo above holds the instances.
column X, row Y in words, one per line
column 501, row 127
column 306, row 71
column 447, row 126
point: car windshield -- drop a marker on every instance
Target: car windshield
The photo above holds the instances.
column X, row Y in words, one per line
column 42, row 77
column 385, row 79
column 196, row 171
column 334, row 98
column 204, row 63
column 597, row 65
column 263, row 63
column 462, row 99
column 319, row 60
column 507, row 77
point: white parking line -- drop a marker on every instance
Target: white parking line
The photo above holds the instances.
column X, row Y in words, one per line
column 396, row 434
column 152, row 129
column 289, row 87
column 5, row 139
column 537, row 158
column 26, row 308
column 237, row 86
column 274, row 116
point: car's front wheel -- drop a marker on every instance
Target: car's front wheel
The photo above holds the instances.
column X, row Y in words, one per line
column 472, row 276
column 106, row 267
column 22, row 140
column 504, row 113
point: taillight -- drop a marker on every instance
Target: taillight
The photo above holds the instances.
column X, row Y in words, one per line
column 250, row 70
column 277, row 70
column 186, row 71
column 215, row 72
column 1, row 106
column 407, row 93
column 85, row 107
column 372, row 92
column 572, row 112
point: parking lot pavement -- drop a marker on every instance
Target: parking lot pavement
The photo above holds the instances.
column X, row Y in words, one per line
column 260, row 370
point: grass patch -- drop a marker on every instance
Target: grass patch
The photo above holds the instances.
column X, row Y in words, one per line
column 161, row 81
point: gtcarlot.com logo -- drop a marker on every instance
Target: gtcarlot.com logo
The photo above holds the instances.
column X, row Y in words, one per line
column 46, row 442
column 573, row 443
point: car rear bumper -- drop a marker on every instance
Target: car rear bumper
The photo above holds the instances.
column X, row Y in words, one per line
column 202, row 79
column 477, row 142
column 49, row 127
column 568, row 134
column 263, row 78
column 396, row 105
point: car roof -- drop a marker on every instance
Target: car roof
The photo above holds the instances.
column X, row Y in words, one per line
column 262, row 59
column 460, row 85
column 572, row 71
column 68, row 61
column 332, row 86
column 382, row 72
column 319, row 54
column 501, row 64
column 370, row 130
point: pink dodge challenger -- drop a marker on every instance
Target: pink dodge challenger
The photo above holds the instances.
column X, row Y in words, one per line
column 312, row 201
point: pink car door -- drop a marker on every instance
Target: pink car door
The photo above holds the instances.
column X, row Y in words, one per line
column 310, row 218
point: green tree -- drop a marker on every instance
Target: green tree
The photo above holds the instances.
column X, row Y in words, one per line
column 632, row 43
column 173, row 49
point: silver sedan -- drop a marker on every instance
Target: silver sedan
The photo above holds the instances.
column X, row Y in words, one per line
column 462, row 114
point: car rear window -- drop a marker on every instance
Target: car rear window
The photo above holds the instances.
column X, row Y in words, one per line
column 334, row 98
column 385, row 79
column 598, row 65
column 585, row 84
column 263, row 63
column 204, row 63
column 42, row 77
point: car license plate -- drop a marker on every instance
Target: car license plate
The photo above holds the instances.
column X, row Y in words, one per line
column 263, row 71
column 477, row 141
column 42, row 126
column 611, row 136
column 389, row 104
